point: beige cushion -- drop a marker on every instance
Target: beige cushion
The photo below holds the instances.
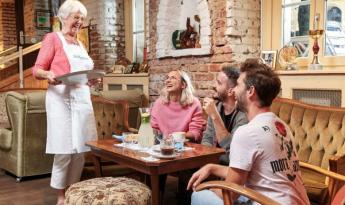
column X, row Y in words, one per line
column 108, row 190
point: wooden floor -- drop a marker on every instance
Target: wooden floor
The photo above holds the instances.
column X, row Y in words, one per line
column 36, row 191
column 30, row 191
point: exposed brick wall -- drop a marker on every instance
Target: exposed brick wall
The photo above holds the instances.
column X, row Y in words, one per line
column 243, row 28
column 7, row 25
column 107, row 37
column 29, row 18
column 228, row 45
column 44, row 5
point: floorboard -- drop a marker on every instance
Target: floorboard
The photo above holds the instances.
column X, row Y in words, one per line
column 36, row 191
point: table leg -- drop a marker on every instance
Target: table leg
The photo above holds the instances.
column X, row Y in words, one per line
column 97, row 163
column 155, row 189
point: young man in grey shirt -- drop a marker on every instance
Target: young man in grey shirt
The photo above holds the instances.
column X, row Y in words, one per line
column 223, row 116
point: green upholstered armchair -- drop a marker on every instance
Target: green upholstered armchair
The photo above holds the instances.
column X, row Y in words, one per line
column 22, row 146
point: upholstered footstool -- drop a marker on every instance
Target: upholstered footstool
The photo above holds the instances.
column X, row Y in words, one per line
column 108, row 191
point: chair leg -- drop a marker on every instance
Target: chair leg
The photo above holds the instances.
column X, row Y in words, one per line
column 162, row 182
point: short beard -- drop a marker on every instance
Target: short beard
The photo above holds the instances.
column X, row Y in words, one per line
column 221, row 97
column 241, row 105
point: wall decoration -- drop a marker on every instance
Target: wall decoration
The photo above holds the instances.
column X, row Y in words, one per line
column 188, row 38
column 43, row 19
column 269, row 58
column 286, row 58
column 128, row 69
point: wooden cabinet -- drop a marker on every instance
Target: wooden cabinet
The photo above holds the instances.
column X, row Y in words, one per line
column 136, row 81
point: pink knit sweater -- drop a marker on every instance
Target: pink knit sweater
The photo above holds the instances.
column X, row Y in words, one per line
column 52, row 56
column 172, row 117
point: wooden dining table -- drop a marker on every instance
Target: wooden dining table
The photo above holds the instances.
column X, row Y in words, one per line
column 196, row 157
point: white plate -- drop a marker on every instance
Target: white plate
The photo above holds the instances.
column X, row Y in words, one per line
column 156, row 148
column 80, row 77
column 160, row 156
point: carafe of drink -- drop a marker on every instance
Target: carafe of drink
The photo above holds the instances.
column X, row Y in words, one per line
column 146, row 136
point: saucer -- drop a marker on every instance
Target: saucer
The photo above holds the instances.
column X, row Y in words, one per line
column 156, row 148
column 161, row 156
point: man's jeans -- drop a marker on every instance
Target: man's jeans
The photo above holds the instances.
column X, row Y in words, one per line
column 208, row 197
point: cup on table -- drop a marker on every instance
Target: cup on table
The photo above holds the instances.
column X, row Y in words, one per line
column 167, row 146
column 179, row 138
column 127, row 139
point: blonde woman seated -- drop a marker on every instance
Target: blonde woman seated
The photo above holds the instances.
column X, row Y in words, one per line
column 177, row 110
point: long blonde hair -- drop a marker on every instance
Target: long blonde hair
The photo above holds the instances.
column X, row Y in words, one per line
column 187, row 95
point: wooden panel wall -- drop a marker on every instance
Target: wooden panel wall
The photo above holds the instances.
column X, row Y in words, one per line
column 29, row 82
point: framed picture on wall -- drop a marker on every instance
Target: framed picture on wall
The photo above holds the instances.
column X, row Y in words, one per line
column 269, row 58
column 43, row 19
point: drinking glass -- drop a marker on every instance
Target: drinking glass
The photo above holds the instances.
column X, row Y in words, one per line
column 167, row 146
column 158, row 135
column 127, row 139
column 179, row 138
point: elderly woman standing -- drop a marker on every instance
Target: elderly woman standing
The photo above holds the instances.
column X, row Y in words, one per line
column 70, row 118
column 177, row 110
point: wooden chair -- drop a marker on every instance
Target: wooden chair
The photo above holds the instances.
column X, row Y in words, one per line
column 228, row 187
column 319, row 140
column 111, row 117
column 333, row 180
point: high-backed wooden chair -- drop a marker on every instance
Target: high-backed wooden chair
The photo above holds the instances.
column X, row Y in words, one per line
column 319, row 138
column 111, row 117
column 228, row 187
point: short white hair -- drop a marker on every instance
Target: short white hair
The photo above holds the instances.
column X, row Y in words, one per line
column 71, row 6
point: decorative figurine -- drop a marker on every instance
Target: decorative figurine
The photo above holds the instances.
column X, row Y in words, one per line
column 316, row 34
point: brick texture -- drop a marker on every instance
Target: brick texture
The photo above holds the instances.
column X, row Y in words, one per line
column 235, row 36
column 8, row 37
column 107, row 34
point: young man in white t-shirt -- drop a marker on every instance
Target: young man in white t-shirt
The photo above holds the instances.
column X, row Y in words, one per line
column 262, row 154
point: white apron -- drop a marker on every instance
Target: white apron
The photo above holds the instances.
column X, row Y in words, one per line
column 70, row 117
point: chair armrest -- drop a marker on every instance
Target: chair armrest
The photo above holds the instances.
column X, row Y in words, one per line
column 337, row 164
column 228, row 187
column 335, row 181
column 131, row 129
column 5, row 139
column 322, row 171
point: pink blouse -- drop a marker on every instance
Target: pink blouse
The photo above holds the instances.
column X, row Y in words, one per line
column 52, row 56
column 172, row 117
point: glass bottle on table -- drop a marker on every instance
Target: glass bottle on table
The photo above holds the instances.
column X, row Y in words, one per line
column 146, row 136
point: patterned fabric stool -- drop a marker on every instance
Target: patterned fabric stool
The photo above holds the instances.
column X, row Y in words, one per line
column 108, row 191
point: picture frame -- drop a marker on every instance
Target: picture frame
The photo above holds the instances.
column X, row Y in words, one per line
column 269, row 58
column 128, row 69
column 43, row 19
